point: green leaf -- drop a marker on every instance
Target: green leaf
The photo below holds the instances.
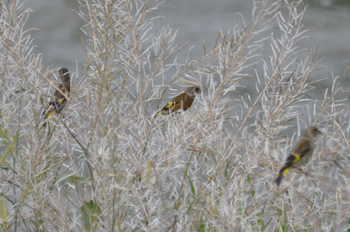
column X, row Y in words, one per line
column 3, row 213
column 191, row 184
column 90, row 213
column 3, row 158
column 260, row 221
column 283, row 227
column 75, row 179
column 7, row 141
column 15, row 142
column 4, row 135
column 149, row 172
column 249, row 180
column 65, row 177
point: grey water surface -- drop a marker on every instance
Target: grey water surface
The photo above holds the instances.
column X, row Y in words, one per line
column 58, row 35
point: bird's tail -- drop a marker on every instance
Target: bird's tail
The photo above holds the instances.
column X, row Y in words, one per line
column 159, row 112
column 156, row 115
column 282, row 174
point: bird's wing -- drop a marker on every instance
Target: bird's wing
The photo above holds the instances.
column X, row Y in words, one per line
column 57, row 93
column 302, row 147
column 175, row 103
column 187, row 102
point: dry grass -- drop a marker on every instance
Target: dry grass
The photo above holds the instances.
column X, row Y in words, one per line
column 110, row 166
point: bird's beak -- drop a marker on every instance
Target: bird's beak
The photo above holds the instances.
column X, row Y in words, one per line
column 319, row 132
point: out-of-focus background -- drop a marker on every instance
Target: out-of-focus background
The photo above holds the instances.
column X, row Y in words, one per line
column 58, row 35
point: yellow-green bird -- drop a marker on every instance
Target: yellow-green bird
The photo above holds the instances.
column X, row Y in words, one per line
column 182, row 101
column 301, row 153
column 59, row 100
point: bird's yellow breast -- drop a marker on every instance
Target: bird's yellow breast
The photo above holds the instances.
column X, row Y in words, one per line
column 297, row 158
column 61, row 100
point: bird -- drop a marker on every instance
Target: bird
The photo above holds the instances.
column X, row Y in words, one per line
column 59, row 100
column 182, row 101
column 301, row 153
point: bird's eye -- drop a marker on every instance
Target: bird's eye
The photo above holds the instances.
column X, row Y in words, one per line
column 197, row 90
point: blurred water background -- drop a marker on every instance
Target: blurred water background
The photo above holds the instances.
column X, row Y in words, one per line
column 58, row 35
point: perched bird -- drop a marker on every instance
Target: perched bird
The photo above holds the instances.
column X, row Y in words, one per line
column 59, row 100
column 182, row 101
column 301, row 153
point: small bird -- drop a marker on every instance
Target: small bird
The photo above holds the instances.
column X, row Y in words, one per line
column 182, row 101
column 301, row 153
column 59, row 100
